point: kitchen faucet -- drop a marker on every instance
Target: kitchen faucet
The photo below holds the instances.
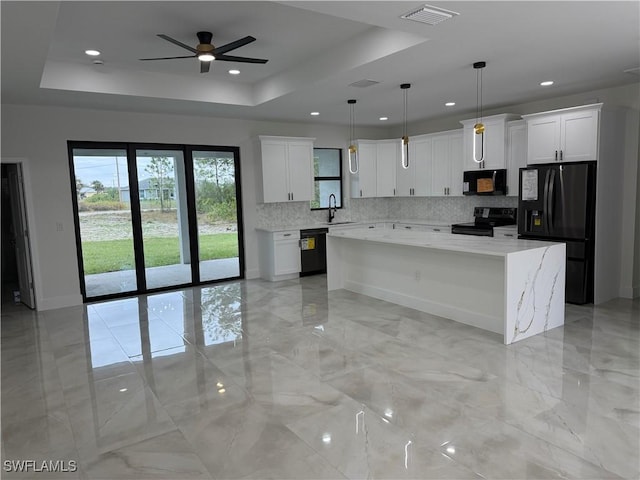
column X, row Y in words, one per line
column 332, row 211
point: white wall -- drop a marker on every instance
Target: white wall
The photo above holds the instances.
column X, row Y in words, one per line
column 40, row 135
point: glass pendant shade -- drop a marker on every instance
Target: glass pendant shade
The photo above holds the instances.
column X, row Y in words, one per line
column 478, row 128
column 404, row 141
column 353, row 150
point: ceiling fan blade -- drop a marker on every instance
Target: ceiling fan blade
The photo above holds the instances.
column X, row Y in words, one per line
column 168, row 58
column 233, row 45
column 231, row 58
column 176, row 42
column 204, row 67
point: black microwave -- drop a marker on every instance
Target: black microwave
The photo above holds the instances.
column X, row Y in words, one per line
column 485, row 182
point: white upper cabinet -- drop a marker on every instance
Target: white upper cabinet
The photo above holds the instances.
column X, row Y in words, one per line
column 567, row 135
column 446, row 176
column 363, row 183
column 495, row 143
column 387, row 157
column 416, row 180
column 286, row 169
column 516, row 154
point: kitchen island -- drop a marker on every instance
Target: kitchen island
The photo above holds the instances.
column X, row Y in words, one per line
column 507, row 286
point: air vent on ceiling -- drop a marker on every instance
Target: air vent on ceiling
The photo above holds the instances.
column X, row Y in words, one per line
column 363, row 83
column 429, row 14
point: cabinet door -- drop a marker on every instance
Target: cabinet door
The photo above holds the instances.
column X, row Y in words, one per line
column 300, row 163
column 495, row 146
column 275, row 183
column 441, row 176
column 579, row 136
column 517, row 156
column 286, row 255
column 386, row 159
column 455, row 165
column 543, row 139
column 423, row 167
column 363, row 183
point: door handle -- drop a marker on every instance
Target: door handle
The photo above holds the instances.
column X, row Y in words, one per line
column 545, row 201
column 552, row 184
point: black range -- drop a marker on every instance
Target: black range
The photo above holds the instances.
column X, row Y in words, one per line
column 485, row 219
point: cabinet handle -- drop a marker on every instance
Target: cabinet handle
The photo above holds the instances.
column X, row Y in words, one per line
column 291, row 195
column 394, row 192
column 556, row 155
column 300, row 244
column 286, row 235
column 372, row 226
column 436, row 229
column 408, row 227
column 560, row 155
column 508, row 235
column 360, row 192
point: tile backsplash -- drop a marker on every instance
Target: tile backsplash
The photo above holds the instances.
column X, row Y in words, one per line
column 449, row 209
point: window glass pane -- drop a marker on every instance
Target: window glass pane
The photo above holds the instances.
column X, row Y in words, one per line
column 215, row 186
column 326, row 162
column 104, row 217
column 324, row 188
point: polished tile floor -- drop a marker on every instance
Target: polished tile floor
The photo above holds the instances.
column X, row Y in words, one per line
column 284, row 380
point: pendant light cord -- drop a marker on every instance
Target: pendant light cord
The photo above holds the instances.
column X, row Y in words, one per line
column 479, row 94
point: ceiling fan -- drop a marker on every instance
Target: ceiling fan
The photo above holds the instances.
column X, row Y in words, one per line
column 206, row 52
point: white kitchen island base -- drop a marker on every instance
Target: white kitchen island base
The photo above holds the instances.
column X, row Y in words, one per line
column 511, row 287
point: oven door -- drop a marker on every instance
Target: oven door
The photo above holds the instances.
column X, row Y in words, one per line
column 480, row 231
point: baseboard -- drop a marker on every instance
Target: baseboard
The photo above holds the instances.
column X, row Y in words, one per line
column 630, row 292
column 467, row 317
column 250, row 274
column 58, row 302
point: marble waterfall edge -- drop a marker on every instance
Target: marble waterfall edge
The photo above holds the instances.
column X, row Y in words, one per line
column 534, row 293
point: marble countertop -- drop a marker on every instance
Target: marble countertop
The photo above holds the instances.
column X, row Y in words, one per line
column 500, row 247
column 284, row 228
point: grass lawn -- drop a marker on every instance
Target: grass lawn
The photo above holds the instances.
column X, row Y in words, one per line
column 116, row 255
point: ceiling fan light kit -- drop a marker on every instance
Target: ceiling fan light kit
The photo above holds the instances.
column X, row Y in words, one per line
column 206, row 52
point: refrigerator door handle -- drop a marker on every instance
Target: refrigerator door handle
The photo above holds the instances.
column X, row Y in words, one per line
column 545, row 201
column 552, row 184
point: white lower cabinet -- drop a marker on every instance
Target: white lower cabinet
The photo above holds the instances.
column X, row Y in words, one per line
column 279, row 254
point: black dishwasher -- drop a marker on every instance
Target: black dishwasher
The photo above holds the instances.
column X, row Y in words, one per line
column 313, row 251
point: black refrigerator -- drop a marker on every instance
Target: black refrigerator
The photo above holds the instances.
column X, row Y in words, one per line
column 557, row 203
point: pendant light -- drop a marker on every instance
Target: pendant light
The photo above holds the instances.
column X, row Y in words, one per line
column 404, row 141
column 353, row 151
column 478, row 128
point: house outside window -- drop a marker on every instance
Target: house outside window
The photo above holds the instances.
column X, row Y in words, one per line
column 327, row 177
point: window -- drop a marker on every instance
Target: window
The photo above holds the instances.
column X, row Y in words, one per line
column 327, row 177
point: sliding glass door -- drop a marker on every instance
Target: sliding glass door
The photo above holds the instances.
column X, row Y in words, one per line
column 152, row 217
column 217, row 214
column 164, row 218
column 103, row 220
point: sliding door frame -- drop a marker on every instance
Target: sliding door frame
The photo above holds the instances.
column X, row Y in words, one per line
column 136, row 214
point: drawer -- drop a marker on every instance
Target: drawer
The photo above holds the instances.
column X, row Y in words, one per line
column 289, row 235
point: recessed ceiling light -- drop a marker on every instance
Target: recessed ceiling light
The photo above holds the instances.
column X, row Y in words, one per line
column 384, row 119
column 315, row 114
column 92, row 53
column 449, row 104
column 234, row 72
column 546, row 84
